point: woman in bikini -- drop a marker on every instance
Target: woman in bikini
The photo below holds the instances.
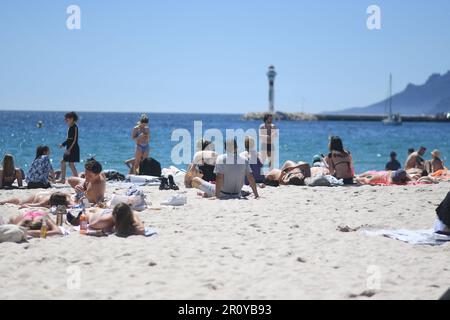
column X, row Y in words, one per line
column 9, row 173
column 141, row 135
column 384, row 178
column 43, row 199
column 33, row 221
column 267, row 135
column 290, row 174
column 121, row 220
column 203, row 164
column 399, row 177
column 339, row 161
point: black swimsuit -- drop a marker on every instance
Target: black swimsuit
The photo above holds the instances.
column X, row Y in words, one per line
column 208, row 172
column 74, row 155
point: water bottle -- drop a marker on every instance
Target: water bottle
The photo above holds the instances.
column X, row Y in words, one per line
column 83, row 223
column 60, row 212
column 44, row 228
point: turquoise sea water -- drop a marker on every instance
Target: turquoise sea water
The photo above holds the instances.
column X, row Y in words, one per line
column 108, row 137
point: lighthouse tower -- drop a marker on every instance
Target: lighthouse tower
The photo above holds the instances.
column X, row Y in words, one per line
column 271, row 74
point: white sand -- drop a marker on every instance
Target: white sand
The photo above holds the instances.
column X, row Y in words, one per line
column 283, row 246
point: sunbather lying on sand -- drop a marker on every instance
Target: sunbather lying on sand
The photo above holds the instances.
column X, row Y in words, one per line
column 33, row 220
column 399, row 177
column 383, row 177
column 121, row 220
column 290, row 174
column 41, row 199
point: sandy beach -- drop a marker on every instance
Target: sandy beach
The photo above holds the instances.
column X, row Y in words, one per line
column 285, row 245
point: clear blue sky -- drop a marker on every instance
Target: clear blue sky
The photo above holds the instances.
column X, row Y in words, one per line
column 211, row 56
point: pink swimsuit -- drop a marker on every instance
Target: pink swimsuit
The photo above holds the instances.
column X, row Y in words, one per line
column 33, row 214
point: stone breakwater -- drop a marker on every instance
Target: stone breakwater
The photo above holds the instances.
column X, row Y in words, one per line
column 300, row 116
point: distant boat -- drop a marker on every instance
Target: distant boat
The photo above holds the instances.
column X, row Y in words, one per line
column 392, row 119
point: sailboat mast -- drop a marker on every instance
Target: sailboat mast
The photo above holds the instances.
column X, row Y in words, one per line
column 390, row 95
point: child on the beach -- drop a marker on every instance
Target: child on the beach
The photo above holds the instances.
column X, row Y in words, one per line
column 141, row 135
column 72, row 153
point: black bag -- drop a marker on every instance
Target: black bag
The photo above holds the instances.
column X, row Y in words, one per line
column 150, row 167
column 112, row 175
column 443, row 211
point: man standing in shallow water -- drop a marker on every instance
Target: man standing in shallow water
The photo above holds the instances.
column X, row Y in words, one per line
column 268, row 132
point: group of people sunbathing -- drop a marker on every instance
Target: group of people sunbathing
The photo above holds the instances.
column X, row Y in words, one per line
column 207, row 167
column 91, row 184
column 216, row 176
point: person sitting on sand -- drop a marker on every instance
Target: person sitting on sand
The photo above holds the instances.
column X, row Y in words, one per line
column 254, row 159
column 41, row 170
column 319, row 167
column 203, row 163
column 231, row 170
column 121, row 220
column 9, row 173
column 33, row 220
column 394, row 164
column 93, row 185
column 435, row 164
column 415, row 160
column 442, row 225
column 291, row 173
column 42, row 199
column 339, row 161
column 318, row 161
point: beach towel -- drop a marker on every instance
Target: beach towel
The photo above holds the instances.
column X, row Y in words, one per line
column 442, row 175
column 414, row 237
column 148, row 231
column 318, row 181
column 12, row 233
column 324, row 181
column 143, row 180
column 178, row 174
column 134, row 198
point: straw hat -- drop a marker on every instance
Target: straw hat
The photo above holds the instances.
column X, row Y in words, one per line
column 436, row 153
